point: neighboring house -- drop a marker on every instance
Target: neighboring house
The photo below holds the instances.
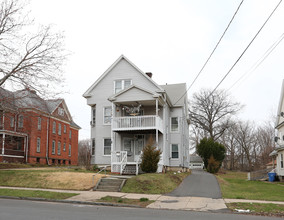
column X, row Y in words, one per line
column 195, row 162
column 128, row 107
column 279, row 151
column 34, row 130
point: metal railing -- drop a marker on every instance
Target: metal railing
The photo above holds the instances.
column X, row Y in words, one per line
column 103, row 169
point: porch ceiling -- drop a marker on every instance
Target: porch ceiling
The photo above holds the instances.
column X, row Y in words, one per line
column 135, row 103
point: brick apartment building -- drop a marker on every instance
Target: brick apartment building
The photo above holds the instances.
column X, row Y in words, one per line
column 34, row 130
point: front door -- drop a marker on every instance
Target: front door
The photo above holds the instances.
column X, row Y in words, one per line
column 128, row 146
column 138, row 146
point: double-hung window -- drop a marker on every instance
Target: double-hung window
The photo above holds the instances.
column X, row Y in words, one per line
column 53, row 147
column 21, row 121
column 38, row 145
column 107, row 115
column 59, row 129
column 39, row 123
column 69, row 151
column 107, row 146
column 175, row 151
column 59, row 148
column 281, row 160
column 121, row 84
column 174, row 124
column 54, row 127
column 93, row 116
column 93, row 146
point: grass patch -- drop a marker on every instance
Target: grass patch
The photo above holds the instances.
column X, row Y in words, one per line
column 260, row 209
column 48, row 178
column 35, row 194
column 234, row 185
column 143, row 202
column 154, row 183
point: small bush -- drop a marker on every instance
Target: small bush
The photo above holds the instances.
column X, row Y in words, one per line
column 150, row 157
column 213, row 165
column 144, row 199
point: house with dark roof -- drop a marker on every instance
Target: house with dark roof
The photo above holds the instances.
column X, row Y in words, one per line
column 34, row 130
column 127, row 109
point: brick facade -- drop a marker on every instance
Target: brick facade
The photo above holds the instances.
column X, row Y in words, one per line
column 44, row 133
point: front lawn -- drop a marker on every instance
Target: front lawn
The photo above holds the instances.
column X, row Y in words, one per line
column 267, row 209
column 48, row 178
column 35, row 194
column 154, row 183
column 234, row 185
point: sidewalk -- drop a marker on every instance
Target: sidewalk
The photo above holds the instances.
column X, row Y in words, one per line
column 161, row 201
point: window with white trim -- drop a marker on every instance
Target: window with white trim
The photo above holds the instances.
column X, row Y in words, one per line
column 54, row 127
column 64, row 129
column 70, row 134
column 175, row 151
column 53, row 147
column 107, row 115
column 94, row 116
column 107, row 146
column 21, row 121
column 12, row 122
column 39, row 123
column 281, row 160
column 121, row 84
column 174, row 124
column 93, row 146
column 38, row 145
column 59, row 129
column 64, row 147
column 69, row 151
column 59, row 148
column 60, row 111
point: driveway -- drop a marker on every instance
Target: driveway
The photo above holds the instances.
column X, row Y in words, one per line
column 198, row 184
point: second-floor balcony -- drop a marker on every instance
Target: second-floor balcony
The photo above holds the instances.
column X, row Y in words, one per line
column 131, row 123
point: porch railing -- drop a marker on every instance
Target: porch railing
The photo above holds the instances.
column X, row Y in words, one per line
column 137, row 123
column 11, row 152
column 118, row 161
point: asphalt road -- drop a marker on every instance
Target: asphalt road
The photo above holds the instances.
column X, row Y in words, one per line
column 198, row 184
column 30, row 210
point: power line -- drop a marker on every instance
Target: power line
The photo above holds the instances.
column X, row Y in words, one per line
column 211, row 52
column 261, row 59
column 246, row 48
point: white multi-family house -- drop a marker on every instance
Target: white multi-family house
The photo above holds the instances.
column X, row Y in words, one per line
column 127, row 108
column 279, row 150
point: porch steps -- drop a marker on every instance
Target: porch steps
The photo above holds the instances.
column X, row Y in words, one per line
column 130, row 169
column 110, row 184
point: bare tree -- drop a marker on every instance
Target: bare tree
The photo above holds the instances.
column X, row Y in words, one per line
column 212, row 112
column 84, row 153
column 28, row 60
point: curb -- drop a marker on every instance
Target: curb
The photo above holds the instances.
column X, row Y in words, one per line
column 70, row 201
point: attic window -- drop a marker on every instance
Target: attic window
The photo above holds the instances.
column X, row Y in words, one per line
column 61, row 111
column 121, row 84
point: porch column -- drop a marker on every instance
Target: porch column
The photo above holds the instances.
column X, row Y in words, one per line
column 157, row 113
column 3, row 143
column 111, row 132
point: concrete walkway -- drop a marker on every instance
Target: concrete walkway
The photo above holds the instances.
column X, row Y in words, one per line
column 161, row 201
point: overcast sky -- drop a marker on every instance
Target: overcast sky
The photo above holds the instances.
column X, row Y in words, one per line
column 171, row 39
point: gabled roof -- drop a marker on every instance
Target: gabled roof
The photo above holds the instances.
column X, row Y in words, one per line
column 278, row 121
column 128, row 89
column 87, row 93
column 174, row 92
column 28, row 99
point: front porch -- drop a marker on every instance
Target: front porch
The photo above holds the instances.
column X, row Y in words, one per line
column 120, row 164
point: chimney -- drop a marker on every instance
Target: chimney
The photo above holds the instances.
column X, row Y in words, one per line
column 149, row 74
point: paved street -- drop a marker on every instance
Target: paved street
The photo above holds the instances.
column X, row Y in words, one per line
column 198, row 184
column 30, row 210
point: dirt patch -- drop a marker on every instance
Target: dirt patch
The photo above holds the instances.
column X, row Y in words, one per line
column 70, row 180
